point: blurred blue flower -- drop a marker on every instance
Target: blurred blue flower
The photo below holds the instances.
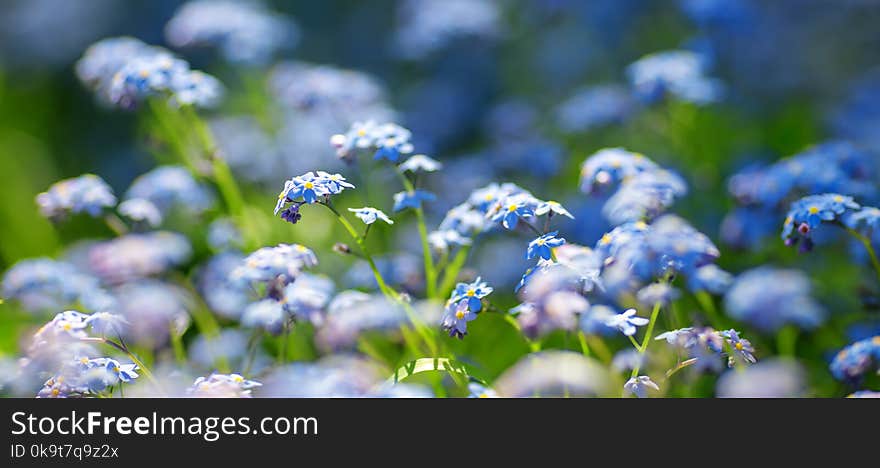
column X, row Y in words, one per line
column 478, row 390
column 610, row 166
column 644, row 196
column 420, row 163
column 222, row 386
column 223, row 235
column 866, row 221
column 857, row 359
column 169, row 187
column 710, row 278
column 509, row 210
column 769, row 309
column 142, row 211
column 138, row 255
column 657, row 293
column 267, row 314
column 626, row 322
column 413, row 199
column 679, row 73
column 269, row 263
column 87, row 193
column 46, row 285
column 426, row 26
column 595, row 106
column 244, row 32
column 552, row 208
column 639, row 386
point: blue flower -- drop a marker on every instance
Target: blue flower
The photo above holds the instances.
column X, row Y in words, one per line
column 103, row 59
column 866, row 220
column 710, row 278
column 809, row 212
column 512, row 208
column 46, row 285
column 87, row 193
column 626, row 322
column 543, row 246
column 391, row 141
column 854, row 361
column 267, row 314
column 309, row 187
column 268, row 263
column 595, row 106
column 138, row 255
column 420, row 163
column 223, row 386
column 141, row 210
column 471, row 294
column 223, row 235
column 370, row 215
column 639, row 386
column 413, row 199
column 551, row 207
column 455, row 318
column 740, row 349
column 158, row 73
column 750, row 299
column 610, row 166
column 168, row 187
column 644, row 196
column 244, row 32
column 444, row 240
column 680, row 73
column 657, row 293
column 335, row 183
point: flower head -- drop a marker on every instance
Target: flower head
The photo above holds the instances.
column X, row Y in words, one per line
column 857, row 359
column 369, row 215
column 552, row 208
column 420, row 163
column 411, row 199
column 610, row 166
column 806, row 214
column 269, row 263
column 639, row 386
column 142, row 211
column 84, row 194
column 626, row 322
column 222, row 386
column 770, row 308
column 170, row 187
column 679, row 73
column 543, row 246
column 509, row 210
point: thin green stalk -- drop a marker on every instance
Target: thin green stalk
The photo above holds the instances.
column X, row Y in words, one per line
column 786, row 341
column 383, row 286
column 124, row 349
column 871, row 253
column 115, row 224
column 585, row 348
column 177, row 346
column 708, row 306
column 649, row 331
column 450, row 275
column 428, row 258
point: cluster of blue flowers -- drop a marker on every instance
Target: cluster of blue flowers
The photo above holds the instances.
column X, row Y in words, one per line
column 187, row 284
column 125, row 72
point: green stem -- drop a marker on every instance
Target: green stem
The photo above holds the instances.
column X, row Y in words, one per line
column 430, row 269
column 141, row 366
column 708, row 306
column 383, row 286
column 450, row 275
column 871, row 253
column 786, row 341
column 177, row 345
column 115, row 224
column 585, row 348
column 649, row 331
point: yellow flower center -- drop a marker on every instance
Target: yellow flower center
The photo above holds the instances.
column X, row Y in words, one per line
column 459, row 314
column 144, row 73
column 615, row 164
column 116, row 369
column 238, row 379
column 512, row 207
column 55, row 392
column 838, row 198
column 814, row 209
column 739, row 346
column 361, row 132
column 605, row 240
column 309, row 185
column 470, row 293
column 641, row 225
column 540, row 242
column 66, row 327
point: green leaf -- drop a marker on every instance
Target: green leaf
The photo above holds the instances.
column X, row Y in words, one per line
column 456, row 370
